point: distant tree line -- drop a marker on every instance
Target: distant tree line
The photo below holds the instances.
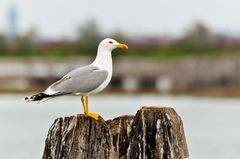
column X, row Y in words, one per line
column 198, row 40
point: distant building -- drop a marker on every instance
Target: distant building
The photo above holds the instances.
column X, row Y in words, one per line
column 12, row 22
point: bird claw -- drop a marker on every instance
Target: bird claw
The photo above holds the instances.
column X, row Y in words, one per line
column 93, row 115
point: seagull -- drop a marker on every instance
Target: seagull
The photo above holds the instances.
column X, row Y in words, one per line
column 85, row 80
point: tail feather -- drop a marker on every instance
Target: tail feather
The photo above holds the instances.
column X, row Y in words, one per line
column 37, row 97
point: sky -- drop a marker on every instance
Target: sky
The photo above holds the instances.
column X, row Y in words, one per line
column 60, row 18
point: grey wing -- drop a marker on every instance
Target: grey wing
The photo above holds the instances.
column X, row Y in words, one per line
column 80, row 80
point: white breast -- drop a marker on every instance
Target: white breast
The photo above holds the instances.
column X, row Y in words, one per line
column 104, row 62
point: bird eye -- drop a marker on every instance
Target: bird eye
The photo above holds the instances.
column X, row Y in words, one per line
column 110, row 42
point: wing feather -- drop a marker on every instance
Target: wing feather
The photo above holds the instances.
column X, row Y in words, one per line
column 80, row 80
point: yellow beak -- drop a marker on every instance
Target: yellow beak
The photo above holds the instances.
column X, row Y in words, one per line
column 122, row 46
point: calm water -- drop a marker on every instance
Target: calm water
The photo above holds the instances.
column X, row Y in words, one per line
column 212, row 125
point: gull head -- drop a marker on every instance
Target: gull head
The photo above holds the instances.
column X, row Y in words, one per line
column 111, row 44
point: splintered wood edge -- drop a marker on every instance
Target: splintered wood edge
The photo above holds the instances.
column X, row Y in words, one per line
column 156, row 107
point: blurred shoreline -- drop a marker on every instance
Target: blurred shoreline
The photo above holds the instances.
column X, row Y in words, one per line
column 219, row 76
column 200, row 62
column 230, row 92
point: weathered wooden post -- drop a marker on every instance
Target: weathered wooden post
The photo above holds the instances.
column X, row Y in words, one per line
column 157, row 133
column 153, row 133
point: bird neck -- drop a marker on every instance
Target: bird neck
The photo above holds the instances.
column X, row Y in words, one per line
column 103, row 59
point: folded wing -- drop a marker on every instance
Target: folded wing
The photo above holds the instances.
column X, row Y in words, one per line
column 80, row 80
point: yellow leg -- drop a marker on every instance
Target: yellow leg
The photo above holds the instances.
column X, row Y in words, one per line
column 86, row 104
column 85, row 107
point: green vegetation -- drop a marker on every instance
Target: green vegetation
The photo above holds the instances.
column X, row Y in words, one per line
column 183, row 51
column 197, row 41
